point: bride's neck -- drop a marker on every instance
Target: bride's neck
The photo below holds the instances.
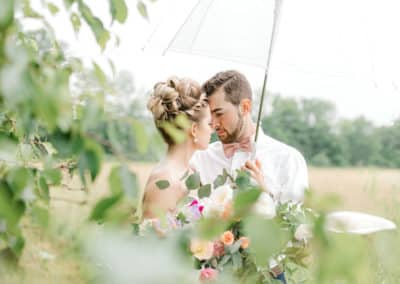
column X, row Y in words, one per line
column 180, row 154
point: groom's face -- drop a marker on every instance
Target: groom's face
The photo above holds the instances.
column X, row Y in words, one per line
column 225, row 117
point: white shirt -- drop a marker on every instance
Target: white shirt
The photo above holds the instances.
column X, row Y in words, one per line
column 285, row 170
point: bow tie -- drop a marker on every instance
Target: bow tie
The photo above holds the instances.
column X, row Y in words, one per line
column 230, row 149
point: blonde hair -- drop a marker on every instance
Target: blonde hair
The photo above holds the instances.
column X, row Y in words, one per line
column 174, row 97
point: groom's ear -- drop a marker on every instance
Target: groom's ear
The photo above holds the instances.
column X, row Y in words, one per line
column 245, row 106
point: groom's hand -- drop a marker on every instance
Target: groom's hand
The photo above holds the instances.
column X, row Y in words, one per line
column 255, row 170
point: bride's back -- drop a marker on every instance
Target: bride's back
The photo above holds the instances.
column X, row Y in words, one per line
column 159, row 201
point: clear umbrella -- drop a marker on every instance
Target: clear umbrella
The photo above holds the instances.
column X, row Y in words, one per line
column 345, row 49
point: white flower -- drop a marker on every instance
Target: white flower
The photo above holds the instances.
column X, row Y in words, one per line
column 222, row 195
column 214, row 205
column 303, row 232
column 265, row 206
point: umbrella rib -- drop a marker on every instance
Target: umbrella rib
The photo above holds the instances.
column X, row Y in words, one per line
column 181, row 27
column 201, row 24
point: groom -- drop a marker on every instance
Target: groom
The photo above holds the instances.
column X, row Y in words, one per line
column 282, row 167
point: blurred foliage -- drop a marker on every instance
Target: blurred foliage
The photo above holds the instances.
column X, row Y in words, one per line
column 60, row 117
column 48, row 125
column 312, row 126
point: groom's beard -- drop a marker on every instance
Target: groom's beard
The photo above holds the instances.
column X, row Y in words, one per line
column 235, row 134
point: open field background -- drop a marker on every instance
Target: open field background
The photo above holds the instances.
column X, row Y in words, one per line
column 46, row 260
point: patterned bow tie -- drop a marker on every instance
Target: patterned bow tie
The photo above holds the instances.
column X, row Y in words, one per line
column 230, row 149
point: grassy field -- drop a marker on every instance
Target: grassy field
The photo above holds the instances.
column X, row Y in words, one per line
column 46, row 259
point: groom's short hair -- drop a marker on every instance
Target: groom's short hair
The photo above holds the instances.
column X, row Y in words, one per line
column 234, row 84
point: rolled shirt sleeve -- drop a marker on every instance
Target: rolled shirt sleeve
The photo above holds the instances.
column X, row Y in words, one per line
column 293, row 178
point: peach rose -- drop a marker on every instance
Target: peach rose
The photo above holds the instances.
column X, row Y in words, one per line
column 227, row 238
column 245, row 242
column 202, row 250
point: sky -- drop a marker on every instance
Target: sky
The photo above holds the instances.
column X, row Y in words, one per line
column 343, row 51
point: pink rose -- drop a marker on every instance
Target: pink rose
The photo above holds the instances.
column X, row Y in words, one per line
column 219, row 249
column 208, row 275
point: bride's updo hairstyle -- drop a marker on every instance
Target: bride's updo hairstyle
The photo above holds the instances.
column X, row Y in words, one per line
column 174, row 97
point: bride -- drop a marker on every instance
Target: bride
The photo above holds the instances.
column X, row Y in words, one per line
column 170, row 99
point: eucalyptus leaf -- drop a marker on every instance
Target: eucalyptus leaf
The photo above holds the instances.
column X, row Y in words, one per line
column 193, row 181
column 237, row 260
column 204, row 191
column 242, row 179
column 162, row 184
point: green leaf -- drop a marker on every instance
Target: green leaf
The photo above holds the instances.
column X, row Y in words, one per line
column 68, row 3
column 267, row 238
column 10, row 209
column 178, row 135
column 193, row 181
column 141, row 7
column 123, row 181
column 224, row 260
column 6, row 13
column 119, row 10
column 162, row 184
column 141, row 138
column 53, row 176
column 43, row 189
column 210, row 228
column 235, row 247
column 182, row 122
column 96, row 25
column 17, row 244
column 52, row 8
column 100, row 75
column 219, row 181
column 244, row 200
column 19, row 179
column 40, row 215
column 242, row 179
column 204, row 191
column 237, row 260
column 76, row 22
column 49, row 148
column 112, row 66
column 29, row 12
column 99, row 211
column 90, row 159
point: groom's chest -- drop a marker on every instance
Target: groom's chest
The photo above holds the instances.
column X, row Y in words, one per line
column 215, row 166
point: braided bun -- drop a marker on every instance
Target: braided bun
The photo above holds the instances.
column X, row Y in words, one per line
column 174, row 97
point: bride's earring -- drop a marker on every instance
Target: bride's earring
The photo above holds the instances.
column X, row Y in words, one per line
column 195, row 140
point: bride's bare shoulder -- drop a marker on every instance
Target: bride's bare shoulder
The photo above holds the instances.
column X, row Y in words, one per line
column 160, row 173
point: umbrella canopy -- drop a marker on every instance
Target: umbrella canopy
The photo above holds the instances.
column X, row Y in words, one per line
column 357, row 223
column 346, row 50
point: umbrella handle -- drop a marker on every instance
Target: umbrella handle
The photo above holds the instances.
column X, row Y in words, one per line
column 277, row 13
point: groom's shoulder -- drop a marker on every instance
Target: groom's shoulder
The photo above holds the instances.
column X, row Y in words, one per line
column 280, row 148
